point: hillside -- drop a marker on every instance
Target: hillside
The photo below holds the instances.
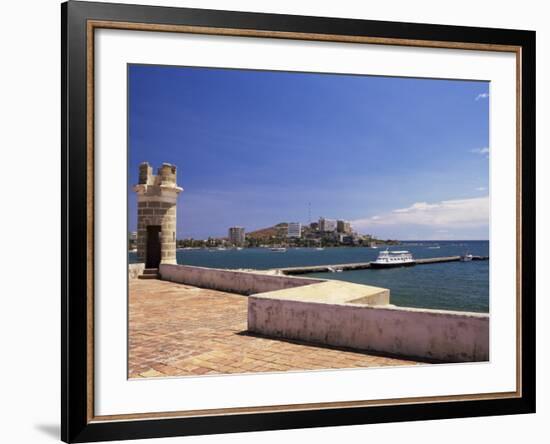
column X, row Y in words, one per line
column 278, row 230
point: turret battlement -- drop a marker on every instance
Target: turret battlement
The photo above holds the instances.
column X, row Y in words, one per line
column 166, row 175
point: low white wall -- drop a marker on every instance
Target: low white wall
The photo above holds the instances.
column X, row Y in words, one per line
column 134, row 270
column 240, row 282
column 429, row 334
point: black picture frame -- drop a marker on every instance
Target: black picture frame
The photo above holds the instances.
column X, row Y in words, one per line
column 76, row 423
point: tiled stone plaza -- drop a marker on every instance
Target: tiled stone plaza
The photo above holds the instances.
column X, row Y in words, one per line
column 178, row 330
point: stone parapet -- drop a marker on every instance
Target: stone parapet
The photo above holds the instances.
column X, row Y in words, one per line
column 135, row 270
column 233, row 281
column 446, row 336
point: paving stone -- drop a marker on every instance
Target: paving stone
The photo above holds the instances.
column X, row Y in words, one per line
column 178, row 330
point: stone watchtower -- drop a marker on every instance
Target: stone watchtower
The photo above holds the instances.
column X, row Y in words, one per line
column 157, row 197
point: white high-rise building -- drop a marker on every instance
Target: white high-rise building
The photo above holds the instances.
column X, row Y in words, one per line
column 343, row 226
column 236, row 235
column 294, row 229
column 327, row 225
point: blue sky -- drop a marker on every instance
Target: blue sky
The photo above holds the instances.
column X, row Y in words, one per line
column 400, row 158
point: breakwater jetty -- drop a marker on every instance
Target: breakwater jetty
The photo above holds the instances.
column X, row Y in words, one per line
column 364, row 265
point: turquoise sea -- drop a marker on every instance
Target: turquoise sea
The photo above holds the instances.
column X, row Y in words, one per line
column 452, row 286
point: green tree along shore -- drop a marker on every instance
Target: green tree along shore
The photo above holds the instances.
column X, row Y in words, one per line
column 276, row 236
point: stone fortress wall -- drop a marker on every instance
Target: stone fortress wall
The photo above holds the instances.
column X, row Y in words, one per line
column 343, row 314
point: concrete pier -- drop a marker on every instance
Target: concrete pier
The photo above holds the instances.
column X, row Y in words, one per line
column 364, row 265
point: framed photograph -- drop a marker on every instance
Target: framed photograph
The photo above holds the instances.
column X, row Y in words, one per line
column 275, row 221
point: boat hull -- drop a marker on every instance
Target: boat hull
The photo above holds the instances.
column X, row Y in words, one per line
column 396, row 265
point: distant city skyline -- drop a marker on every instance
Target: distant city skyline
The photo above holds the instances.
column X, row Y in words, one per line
column 399, row 158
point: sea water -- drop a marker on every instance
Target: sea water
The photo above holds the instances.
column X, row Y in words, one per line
column 460, row 286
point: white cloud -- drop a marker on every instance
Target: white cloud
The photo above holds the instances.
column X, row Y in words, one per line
column 421, row 206
column 484, row 150
column 444, row 215
column 481, row 151
column 482, row 96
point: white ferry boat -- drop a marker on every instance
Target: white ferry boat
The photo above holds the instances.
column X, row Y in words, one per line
column 278, row 249
column 388, row 259
column 466, row 257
